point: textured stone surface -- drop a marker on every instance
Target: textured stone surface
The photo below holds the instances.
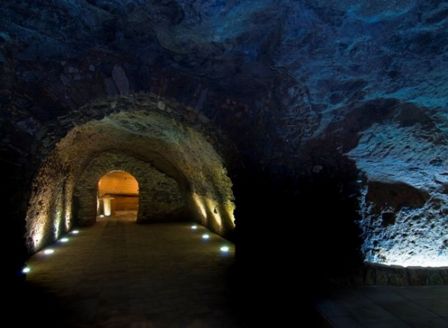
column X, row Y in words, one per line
column 145, row 135
column 159, row 195
column 409, row 183
column 291, row 83
column 51, row 205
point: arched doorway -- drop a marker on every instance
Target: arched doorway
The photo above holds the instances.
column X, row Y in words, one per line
column 118, row 196
column 173, row 155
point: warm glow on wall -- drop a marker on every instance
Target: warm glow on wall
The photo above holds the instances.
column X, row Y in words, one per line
column 230, row 209
column 213, row 208
column 201, row 207
column 218, row 216
column 57, row 220
column 117, row 191
column 68, row 202
column 68, row 214
column 117, row 182
column 107, row 208
column 38, row 232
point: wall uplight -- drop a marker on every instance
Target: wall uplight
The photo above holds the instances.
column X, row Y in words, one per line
column 107, row 206
column 200, row 205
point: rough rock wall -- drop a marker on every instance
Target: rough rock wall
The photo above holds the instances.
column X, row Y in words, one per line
column 49, row 212
column 400, row 154
column 160, row 198
column 405, row 203
column 276, row 76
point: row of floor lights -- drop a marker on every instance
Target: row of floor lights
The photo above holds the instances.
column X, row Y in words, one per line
column 206, row 236
column 50, row 251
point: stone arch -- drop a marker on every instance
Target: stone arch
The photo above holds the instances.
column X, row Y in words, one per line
column 152, row 183
column 117, row 195
column 173, row 139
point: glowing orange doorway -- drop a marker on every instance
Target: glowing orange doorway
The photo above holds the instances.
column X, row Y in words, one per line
column 118, row 195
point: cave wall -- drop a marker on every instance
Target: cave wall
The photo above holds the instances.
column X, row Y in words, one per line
column 160, row 198
column 302, row 88
column 404, row 212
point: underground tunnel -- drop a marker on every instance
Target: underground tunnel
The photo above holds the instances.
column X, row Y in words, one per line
column 169, row 168
column 200, row 163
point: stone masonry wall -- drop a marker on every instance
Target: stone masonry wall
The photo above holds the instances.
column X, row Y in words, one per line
column 160, row 197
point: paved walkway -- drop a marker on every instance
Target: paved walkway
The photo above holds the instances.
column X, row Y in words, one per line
column 121, row 274
column 387, row 306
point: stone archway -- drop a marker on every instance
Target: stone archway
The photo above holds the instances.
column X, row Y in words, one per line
column 160, row 196
column 118, row 195
column 144, row 134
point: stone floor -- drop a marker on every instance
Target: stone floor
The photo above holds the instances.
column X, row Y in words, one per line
column 387, row 306
column 121, row 274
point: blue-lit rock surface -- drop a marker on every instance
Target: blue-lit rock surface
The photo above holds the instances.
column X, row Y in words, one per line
column 405, row 209
column 290, row 82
